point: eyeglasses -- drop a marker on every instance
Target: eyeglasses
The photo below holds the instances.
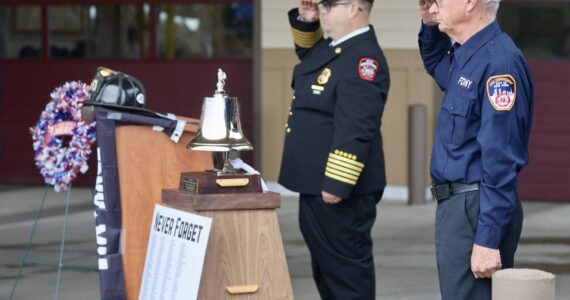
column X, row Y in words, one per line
column 328, row 6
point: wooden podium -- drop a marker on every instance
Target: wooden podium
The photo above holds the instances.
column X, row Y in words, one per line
column 245, row 246
column 148, row 162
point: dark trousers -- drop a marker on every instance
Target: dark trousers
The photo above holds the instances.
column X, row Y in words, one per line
column 339, row 240
column 455, row 225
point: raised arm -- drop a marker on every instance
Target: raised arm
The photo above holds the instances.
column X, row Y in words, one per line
column 434, row 44
column 305, row 27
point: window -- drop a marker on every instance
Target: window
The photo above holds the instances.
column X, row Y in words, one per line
column 98, row 31
column 541, row 31
column 205, row 31
column 20, row 31
column 123, row 31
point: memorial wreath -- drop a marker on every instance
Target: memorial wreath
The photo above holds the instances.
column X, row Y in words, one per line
column 62, row 140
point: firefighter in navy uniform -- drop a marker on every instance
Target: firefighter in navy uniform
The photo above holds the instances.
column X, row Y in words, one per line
column 480, row 144
column 333, row 147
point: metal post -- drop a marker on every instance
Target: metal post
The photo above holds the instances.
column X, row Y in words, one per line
column 523, row 284
column 417, row 162
column 63, row 235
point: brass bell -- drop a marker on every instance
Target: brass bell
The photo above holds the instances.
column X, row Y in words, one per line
column 220, row 126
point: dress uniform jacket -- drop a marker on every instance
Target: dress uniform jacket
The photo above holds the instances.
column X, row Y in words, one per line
column 333, row 140
column 484, row 125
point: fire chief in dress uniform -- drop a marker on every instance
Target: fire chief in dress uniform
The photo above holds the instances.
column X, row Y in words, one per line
column 333, row 147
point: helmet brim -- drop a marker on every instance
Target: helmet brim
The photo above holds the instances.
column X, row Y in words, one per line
column 88, row 110
column 118, row 107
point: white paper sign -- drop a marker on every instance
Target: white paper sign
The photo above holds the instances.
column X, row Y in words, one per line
column 175, row 255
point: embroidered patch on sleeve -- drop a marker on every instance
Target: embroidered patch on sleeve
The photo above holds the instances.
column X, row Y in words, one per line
column 368, row 68
column 502, row 92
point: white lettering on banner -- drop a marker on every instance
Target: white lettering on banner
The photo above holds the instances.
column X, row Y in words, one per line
column 101, row 229
column 102, row 263
column 99, row 198
column 101, row 240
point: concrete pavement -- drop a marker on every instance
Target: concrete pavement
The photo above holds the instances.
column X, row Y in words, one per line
column 403, row 246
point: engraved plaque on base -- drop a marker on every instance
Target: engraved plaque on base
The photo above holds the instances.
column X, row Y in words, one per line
column 209, row 182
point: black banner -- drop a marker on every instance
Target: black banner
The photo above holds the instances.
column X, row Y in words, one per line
column 107, row 197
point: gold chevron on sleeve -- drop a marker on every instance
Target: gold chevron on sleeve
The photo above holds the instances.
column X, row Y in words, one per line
column 340, row 178
column 306, row 39
column 342, row 166
column 337, row 168
column 342, row 173
column 343, row 157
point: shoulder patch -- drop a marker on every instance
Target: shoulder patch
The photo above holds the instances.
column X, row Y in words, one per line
column 502, row 92
column 368, row 68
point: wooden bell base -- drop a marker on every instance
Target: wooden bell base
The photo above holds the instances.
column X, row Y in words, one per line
column 245, row 258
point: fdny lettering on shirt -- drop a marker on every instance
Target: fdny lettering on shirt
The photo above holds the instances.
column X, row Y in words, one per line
column 368, row 67
column 502, row 92
column 464, row 82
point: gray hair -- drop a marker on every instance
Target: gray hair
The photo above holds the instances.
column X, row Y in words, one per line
column 492, row 6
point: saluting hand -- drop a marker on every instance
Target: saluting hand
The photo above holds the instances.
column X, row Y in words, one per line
column 330, row 198
column 308, row 11
column 424, row 6
column 485, row 261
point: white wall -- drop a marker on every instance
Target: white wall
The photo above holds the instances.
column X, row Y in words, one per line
column 396, row 23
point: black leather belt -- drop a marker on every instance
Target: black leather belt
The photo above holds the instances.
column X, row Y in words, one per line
column 442, row 191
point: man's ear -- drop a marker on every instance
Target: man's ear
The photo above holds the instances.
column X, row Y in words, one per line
column 471, row 4
column 354, row 10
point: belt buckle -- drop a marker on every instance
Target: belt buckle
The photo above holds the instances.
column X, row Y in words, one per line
column 433, row 192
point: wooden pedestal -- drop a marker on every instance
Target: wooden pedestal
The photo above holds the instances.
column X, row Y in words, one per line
column 245, row 245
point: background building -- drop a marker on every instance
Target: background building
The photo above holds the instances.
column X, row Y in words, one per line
column 175, row 47
column 540, row 28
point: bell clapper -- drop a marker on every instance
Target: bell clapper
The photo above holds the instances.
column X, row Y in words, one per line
column 222, row 162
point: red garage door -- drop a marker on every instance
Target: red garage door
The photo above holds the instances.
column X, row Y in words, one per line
column 541, row 29
column 547, row 177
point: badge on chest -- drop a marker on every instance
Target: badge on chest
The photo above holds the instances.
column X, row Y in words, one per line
column 321, row 81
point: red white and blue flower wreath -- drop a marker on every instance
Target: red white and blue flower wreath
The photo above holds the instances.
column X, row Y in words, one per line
column 60, row 161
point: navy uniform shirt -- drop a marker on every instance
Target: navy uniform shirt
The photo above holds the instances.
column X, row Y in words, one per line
column 485, row 120
column 333, row 141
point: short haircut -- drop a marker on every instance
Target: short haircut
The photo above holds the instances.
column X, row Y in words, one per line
column 492, row 6
column 365, row 5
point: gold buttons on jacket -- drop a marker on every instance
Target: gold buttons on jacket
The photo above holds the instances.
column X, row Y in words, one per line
column 337, row 50
column 288, row 130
